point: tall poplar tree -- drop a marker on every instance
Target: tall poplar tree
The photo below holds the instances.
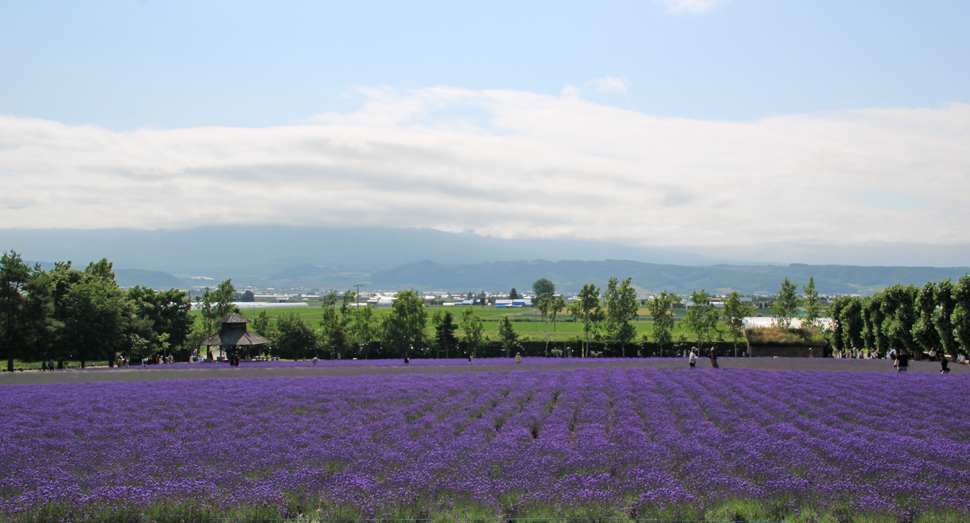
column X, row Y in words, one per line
column 663, row 319
column 620, row 299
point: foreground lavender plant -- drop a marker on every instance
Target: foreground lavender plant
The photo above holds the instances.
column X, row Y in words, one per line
column 763, row 445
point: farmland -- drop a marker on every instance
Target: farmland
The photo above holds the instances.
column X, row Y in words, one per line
column 624, row 442
column 525, row 321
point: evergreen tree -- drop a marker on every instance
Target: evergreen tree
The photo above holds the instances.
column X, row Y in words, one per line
column 26, row 310
column 445, row 332
column 507, row 334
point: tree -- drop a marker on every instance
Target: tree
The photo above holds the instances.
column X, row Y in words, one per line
column 26, row 310
column 507, row 334
column 405, row 326
column 363, row 327
column 786, row 304
column 621, row 304
column 853, row 324
column 873, row 337
column 544, row 305
column 444, row 327
column 813, row 310
column 924, row 331
column 899, row 310
column 556, row 306
column 837, row 332
column 474, row 330
column 663, row 318
column 167, row 313
column 205, row 307
column 248, row 297
column 262, row 325
column 513, row 295
column 587, row 310
column 735, row 311
column 701, row 317
column 139, row 338
column 224, row 296
column 330, row 321
column 961, row 313
column 294, row 337
column 335, row 340
column 943, row 316
column 93, row 315
column 542, row 287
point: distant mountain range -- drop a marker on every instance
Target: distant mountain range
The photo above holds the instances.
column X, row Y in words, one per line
column 387, row 258
column 262, row 251
column 569, row 276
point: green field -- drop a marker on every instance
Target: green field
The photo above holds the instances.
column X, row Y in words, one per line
column 526, row 322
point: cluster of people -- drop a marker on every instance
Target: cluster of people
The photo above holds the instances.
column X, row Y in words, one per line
column 233, row 360
column 692, row 357
column 901, row 361
column 157, row 359
column 47, row 365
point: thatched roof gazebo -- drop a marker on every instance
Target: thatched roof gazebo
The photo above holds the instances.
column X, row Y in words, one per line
column 233, row 332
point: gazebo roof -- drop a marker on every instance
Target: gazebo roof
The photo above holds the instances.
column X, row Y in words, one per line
column 232, row 331
column 234, row 318
column 234, row 337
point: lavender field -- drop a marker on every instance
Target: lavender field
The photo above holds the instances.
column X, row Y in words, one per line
column 738, row 444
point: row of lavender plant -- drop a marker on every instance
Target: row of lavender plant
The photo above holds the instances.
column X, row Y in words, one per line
column 635, row 443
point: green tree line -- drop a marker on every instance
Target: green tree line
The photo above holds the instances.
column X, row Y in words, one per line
column 917, row 320
column 83, row 315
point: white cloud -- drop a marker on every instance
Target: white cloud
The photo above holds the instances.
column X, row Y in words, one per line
column 512, row 164
column 695, row 6
column 607, row 85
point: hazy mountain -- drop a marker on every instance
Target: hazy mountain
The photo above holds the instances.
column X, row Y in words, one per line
column 569, row 276
column 319, row 257
column 265, row 251
column 154, row 279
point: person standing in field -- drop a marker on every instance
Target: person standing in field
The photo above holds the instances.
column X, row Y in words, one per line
column 518, row 357
column 692, row 359
column 902, row 362
column 714, row 357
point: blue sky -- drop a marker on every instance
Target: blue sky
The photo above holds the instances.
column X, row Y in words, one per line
column 129, row 64
column 846, row 122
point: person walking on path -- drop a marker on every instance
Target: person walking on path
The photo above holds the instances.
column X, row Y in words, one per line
column 714, row 357
column 902, row 362
column 692, row 359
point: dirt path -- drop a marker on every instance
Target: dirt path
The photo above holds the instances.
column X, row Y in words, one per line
column 256, row 370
